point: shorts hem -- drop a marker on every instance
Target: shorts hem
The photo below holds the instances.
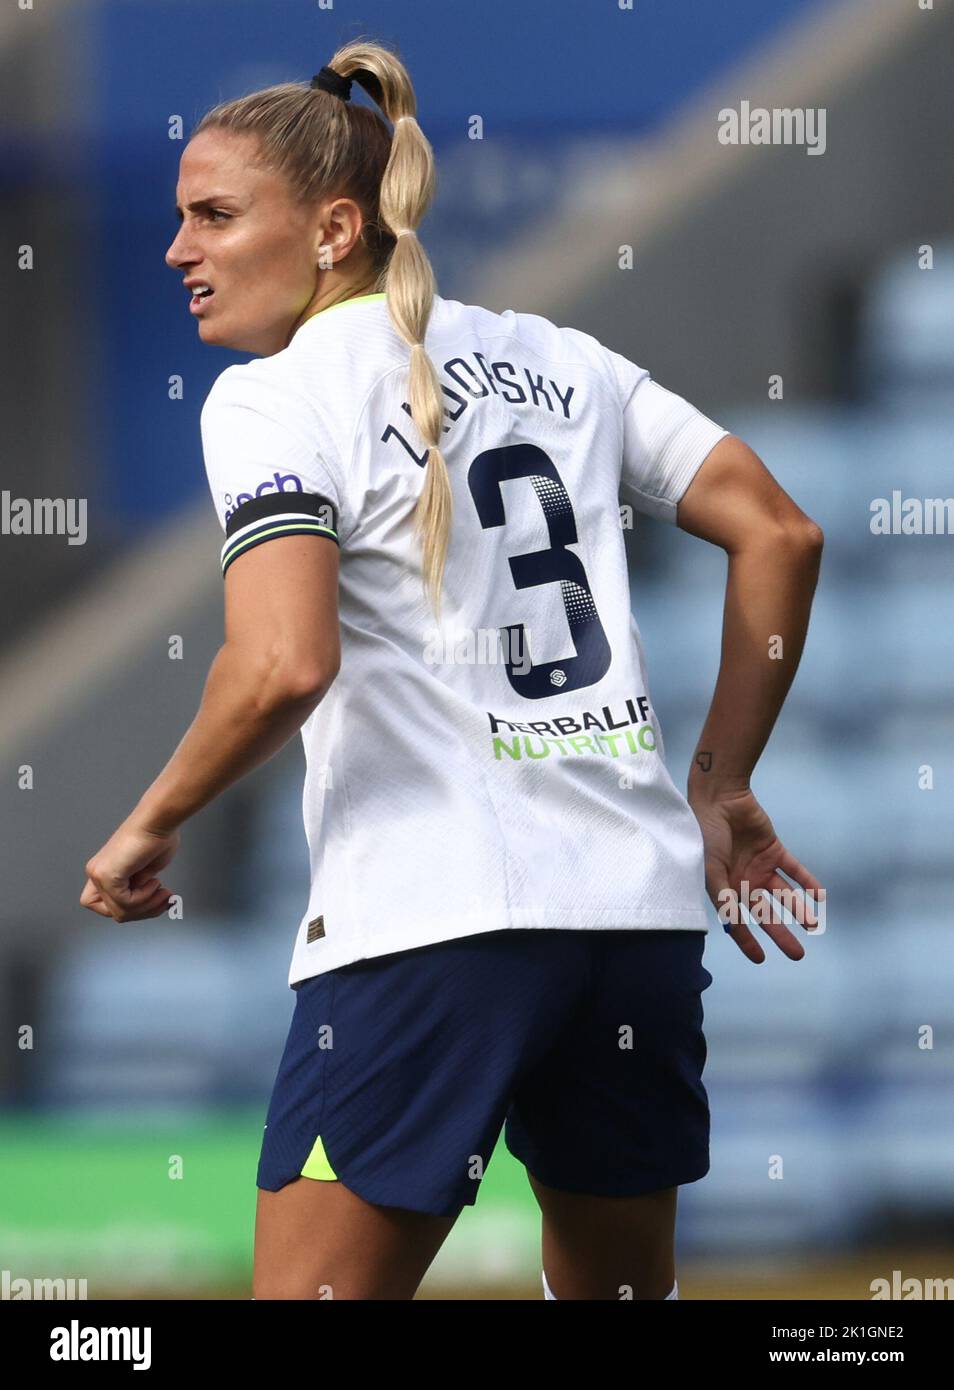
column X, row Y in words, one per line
column 590, row 1189
column 415, row 1204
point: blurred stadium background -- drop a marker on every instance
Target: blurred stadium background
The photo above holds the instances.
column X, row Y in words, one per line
column 600, row 131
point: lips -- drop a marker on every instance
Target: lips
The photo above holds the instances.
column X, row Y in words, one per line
column 202, row 292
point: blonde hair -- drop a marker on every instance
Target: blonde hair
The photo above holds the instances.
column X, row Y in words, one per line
column 325, row 145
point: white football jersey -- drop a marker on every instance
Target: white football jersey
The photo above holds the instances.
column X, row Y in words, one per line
column 506, row 768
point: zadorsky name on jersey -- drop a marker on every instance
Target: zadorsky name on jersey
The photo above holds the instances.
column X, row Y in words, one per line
column 577, row 734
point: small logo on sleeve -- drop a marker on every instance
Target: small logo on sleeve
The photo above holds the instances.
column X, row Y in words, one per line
column 276, row 483
column 316, row 929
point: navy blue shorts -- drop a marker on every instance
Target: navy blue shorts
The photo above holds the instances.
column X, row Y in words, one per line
column 400, row 1070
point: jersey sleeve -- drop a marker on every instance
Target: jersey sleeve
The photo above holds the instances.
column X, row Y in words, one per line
column 665, row 441
column 268, row 462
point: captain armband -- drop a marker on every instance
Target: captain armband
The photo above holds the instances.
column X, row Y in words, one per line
column 265, row 518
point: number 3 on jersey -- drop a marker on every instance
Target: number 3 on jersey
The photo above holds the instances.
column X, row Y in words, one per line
column 551, row 566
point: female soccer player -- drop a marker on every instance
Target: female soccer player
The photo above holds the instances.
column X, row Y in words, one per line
column 424, row 572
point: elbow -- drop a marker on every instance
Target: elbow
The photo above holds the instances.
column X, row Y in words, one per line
column 802, row 539
column 799, row 549
column 811, row 536
column 301, row 685
column 811, row 543
column 307, row 685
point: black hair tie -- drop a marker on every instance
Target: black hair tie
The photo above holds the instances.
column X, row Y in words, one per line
column 330, row 81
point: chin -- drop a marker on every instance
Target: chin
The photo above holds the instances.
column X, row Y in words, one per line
column 211, row 334
column 236, row 341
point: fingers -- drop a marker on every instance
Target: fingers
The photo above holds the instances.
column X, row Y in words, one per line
column 725, row 901
column 127, row 903
column 790, row 865
column 122, row 881
column 89, row 894
column 745, row 941
column 765, row 909
column 788, row 944
column 768, row 916
column 765, row 892
column 144, row 876
column 155, row 907
column 99, row 907
column 801, row 906
column 148, row 900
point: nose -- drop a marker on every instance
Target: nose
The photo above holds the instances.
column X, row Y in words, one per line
column 178, row 254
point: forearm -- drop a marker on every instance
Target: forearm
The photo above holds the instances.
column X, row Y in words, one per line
column 768, row 601
column 245, row 717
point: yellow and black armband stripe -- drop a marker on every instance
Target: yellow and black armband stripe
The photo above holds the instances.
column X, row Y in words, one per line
column 281, row 514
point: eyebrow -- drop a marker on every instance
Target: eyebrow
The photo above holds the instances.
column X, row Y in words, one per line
column 204, row 203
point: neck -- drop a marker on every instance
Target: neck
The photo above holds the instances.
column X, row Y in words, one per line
column 338, row 293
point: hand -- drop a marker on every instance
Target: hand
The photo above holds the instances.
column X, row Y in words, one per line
column 122, row 878
column 741, row 846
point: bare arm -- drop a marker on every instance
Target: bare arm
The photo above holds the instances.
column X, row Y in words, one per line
column 281, row 653
column 774, row 552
